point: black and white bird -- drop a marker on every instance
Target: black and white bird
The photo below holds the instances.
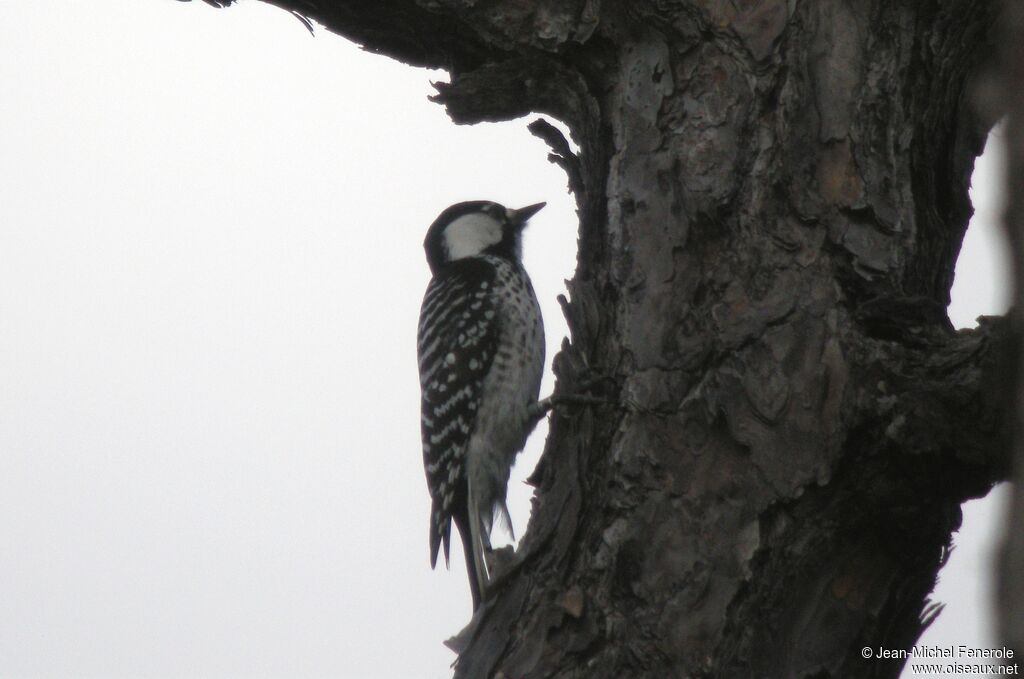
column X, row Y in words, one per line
column 481, row 358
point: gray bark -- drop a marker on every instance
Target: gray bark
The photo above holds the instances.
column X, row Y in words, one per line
column 772, row 196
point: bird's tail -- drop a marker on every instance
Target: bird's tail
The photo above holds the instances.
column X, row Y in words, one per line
column 475, row 531
column 476, row 567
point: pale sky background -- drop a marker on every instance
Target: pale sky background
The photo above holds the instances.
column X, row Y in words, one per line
column 210, row 274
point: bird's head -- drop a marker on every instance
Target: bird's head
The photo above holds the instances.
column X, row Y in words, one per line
column 477, row 227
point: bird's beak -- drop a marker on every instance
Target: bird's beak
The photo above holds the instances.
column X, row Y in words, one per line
column 520, row 216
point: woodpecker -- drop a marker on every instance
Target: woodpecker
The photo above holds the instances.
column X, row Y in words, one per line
column 481, row 358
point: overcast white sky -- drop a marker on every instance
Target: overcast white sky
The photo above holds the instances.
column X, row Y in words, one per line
column 210, row 275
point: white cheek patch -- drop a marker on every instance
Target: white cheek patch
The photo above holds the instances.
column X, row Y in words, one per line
column 470, row 235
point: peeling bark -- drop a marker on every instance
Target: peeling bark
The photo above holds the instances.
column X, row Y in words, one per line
column 772, row 195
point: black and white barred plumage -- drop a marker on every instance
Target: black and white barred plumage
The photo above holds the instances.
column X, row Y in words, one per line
column 481, row 357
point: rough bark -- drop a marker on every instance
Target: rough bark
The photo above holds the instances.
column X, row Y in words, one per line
column 772, row 195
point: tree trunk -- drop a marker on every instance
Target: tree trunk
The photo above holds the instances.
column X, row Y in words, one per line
column 772, row 196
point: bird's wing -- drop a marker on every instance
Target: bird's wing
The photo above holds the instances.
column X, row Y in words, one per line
column 458, row 337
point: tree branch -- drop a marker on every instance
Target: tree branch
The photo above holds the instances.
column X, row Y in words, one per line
column 944, row 397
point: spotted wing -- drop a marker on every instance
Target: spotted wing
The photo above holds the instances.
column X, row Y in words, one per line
column 458, row 337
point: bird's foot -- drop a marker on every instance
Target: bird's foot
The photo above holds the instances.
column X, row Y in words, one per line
column 542, row 407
